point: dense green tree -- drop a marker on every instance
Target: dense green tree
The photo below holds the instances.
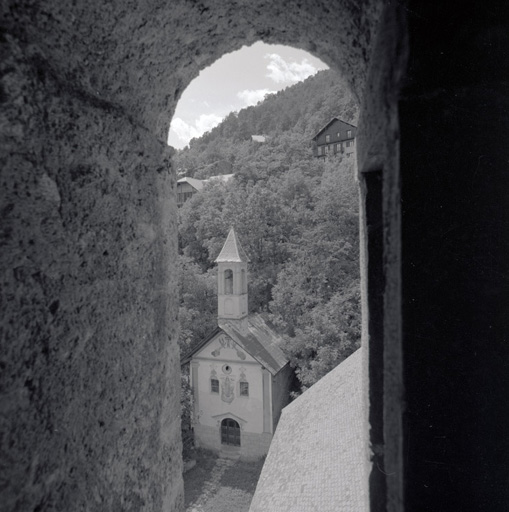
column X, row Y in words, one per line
column 198, row 303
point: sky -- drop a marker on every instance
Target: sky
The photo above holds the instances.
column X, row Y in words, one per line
column 235, row 81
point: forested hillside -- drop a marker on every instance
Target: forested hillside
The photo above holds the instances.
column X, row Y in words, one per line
column 289, row 118
column 296, row 216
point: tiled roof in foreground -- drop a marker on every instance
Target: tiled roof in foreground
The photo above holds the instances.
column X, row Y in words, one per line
column 316, row 462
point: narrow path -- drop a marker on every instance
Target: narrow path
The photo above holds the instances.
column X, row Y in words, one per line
column 211, row 486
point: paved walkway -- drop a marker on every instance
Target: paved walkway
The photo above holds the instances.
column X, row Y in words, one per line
column 212, row 485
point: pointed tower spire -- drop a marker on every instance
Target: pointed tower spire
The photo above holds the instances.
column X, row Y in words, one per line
column 232, row 279
column 232, row 251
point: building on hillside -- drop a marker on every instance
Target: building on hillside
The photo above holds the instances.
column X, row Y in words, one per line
column 335, row 137
column 187, row 187
column 259, row 138
column 239, row 375
column 317, row 461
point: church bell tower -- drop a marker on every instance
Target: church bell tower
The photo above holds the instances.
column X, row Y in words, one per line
column 232, row 280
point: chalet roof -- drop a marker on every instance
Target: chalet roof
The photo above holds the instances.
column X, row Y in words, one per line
column 334, row 119
column 253, row 334
column 232, row 250
column 197, row 184
column 316, row 460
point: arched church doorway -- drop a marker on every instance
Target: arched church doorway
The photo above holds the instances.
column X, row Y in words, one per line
column 230, row 432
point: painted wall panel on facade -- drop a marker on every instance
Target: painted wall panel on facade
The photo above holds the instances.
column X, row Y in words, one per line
column 223, row 348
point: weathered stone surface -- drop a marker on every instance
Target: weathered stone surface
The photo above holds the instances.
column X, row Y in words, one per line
column 140, row 55
column 90, row 402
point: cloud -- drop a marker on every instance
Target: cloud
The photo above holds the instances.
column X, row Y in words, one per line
column 282, row 71
column 185, row 131
column 252, row 97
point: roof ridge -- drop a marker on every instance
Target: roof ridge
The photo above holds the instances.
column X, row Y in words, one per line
column 330, row 122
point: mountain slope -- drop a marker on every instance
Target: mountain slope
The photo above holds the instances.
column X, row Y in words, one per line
column 297, row 112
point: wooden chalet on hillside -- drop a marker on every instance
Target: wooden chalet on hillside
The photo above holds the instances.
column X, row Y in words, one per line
column 335, row 137
column 187, row 187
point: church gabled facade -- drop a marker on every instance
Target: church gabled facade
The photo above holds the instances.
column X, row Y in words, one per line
column 239, row 375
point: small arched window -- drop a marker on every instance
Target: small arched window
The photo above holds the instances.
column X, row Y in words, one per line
column 228, row 281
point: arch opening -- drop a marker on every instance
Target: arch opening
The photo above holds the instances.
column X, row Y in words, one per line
column 379, row 212
column 230, row 432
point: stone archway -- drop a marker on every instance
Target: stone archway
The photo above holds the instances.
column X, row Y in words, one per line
column 91, row 371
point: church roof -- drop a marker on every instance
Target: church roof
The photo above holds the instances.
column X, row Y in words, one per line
column 317, row 459
column 256, row 336
column 232, row 250
column 259, row 339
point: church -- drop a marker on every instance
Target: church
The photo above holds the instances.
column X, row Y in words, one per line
column 239, row 375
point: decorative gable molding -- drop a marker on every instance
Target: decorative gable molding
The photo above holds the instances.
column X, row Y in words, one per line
column 220, row 417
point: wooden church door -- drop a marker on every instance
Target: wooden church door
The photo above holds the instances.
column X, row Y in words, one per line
column 230, row 432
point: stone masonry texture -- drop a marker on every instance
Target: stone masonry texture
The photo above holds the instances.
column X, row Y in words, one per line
column 89, row 369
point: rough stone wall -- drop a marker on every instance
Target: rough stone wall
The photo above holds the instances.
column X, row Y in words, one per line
column 90, row 385
column 88, row 356
column 141, row 55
